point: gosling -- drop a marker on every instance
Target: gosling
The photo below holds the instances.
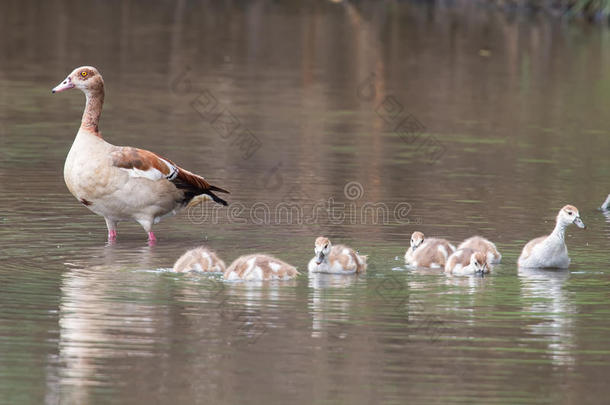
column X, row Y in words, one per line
column 606, row 205
column 338, row 259
column 259, row 267
column 199, row 259
column 417, row 238
column 467, row 261
column 481, row 244
column 550, row 251
column 428, row 252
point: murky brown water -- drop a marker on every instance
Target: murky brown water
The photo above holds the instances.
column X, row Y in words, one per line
column 515, row 117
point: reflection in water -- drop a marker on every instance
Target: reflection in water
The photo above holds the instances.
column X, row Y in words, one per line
column 318, row 83
column 329, row 307
column 547, row 301
column 250, row 306
column 469, row 283
column 100, row 322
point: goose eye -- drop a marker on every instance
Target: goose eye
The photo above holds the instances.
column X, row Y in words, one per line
column 83, row 73
column 571, row 213
column 325, row 246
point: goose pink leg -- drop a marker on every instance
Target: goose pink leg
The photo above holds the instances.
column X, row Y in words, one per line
column 151, row 237
column 111, row 225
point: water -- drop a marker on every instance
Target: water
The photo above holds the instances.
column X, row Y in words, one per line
column 512, row 112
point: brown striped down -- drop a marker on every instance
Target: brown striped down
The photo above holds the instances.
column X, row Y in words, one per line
column 348, row 260
column 199, row 259
column 259, row 267
column 433, row 252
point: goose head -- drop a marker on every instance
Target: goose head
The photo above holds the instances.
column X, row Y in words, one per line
column 478, row 261
column 85, row 78
column 417, row 238
column 322, row 249
column 569, row 215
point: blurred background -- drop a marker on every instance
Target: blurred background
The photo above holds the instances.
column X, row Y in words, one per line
column 474, row 117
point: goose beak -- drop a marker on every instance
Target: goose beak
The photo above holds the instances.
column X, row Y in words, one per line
column 65, row 85
column 579, row 223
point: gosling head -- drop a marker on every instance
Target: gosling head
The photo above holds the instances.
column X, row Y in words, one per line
column 85, row 78
column 322, row 249
column 417, row 238
column 569, row 215
column 606, row 205
column 478, row 261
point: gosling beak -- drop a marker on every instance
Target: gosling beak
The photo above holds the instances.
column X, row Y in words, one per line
column 579, row 223
column 320, row 258
column 65, row 85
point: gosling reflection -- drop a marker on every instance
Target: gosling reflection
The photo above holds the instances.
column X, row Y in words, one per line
column 248, row 310
column 329, row 300
column 549, row 303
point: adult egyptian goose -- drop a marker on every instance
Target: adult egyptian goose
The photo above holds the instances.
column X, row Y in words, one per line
column 123, row 183
column 428, row 252
column 259, row 267
column 480, row 244
column 337, row 259
column 467, row 261
column 550, row 251
column 199, row 259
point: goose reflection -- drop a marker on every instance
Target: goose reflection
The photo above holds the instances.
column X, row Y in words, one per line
column 99, row 321
column 550, row 305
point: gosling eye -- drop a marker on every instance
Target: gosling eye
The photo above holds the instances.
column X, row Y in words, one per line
column 571, row 213
column 325, row 246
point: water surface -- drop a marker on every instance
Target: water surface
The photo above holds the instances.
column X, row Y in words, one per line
column 511, row 115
